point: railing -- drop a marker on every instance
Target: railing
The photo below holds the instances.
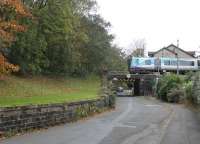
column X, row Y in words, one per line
column 118, row 73
column 127, row 75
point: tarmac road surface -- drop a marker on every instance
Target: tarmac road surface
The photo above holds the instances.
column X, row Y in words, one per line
column 136, row 120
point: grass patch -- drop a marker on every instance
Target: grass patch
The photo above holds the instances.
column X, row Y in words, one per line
column 15, row 91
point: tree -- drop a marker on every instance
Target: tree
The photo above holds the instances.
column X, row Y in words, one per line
column 6, row 67
column 57, row 24
column 116, row 59
column 28, row 51
column 11, row 11
column 137, row 48
column 66, row 37
column 61, row 22
column 98, row 46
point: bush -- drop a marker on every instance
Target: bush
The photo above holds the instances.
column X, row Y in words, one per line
column 188, row 91
column 175, row 95
column 168, row 83
column 196, row 89
column 189, row 76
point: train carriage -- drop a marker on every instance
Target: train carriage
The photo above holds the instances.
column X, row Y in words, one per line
column 170, row 64
column 144, row 65
column 139, row 64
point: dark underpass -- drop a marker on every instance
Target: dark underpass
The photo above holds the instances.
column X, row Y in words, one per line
column 138, row 84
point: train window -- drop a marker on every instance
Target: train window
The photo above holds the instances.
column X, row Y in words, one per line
column 147, row 62
column 174, row 62
column 166, row 62
column 137, row 61
column 192, row 63
column 186, row 63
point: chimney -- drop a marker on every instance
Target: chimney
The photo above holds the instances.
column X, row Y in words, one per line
column 178, row 43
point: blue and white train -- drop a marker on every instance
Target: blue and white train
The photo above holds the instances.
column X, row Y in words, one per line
column 164, row 64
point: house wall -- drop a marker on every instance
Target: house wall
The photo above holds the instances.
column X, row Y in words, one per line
column 181, row 54
column 164, row 53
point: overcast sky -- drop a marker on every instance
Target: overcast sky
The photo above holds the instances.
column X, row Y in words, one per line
column 160, row 22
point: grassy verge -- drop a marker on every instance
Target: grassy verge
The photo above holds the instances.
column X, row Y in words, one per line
column 15, row 91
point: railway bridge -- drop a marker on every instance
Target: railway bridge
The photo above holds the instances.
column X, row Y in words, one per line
column 139, row 84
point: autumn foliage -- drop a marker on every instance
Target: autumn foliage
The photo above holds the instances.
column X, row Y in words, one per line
column 6, row 67
column 11, row 11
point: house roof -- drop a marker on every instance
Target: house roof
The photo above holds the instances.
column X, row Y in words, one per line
column 191, row 53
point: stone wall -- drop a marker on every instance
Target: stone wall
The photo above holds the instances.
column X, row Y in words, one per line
column 23, row 118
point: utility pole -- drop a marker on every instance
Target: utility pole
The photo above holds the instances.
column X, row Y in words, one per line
column 177, row 72
column 158, row 63
column 178, row 43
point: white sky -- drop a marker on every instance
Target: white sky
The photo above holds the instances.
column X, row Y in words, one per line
column 160, row 22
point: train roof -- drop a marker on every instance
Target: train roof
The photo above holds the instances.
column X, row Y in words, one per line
column 166, row 58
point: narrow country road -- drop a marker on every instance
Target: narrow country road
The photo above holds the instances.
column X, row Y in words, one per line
column 137, row 120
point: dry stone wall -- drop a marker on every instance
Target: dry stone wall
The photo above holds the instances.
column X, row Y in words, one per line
column 23, row 118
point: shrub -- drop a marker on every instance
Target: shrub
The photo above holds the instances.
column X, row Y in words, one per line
column 189, row 76
column 175, row 95
column 188, row 91
column 196, row 89
column 166, row 84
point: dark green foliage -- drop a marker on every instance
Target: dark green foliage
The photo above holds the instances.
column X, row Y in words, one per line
column 116, row 60
column 188, row 91
column 112, row 88
column 196, row 89
column 175, row 95
column 173, row 88
column 166, row 84
column 29, row 50
column 57, row 25
column 112, row 101
column 65, row 38
column 189, row 76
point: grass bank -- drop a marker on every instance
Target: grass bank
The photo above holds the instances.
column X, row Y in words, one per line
column 16, row 91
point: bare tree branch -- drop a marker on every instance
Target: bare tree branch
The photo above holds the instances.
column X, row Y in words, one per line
column 137, row 48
